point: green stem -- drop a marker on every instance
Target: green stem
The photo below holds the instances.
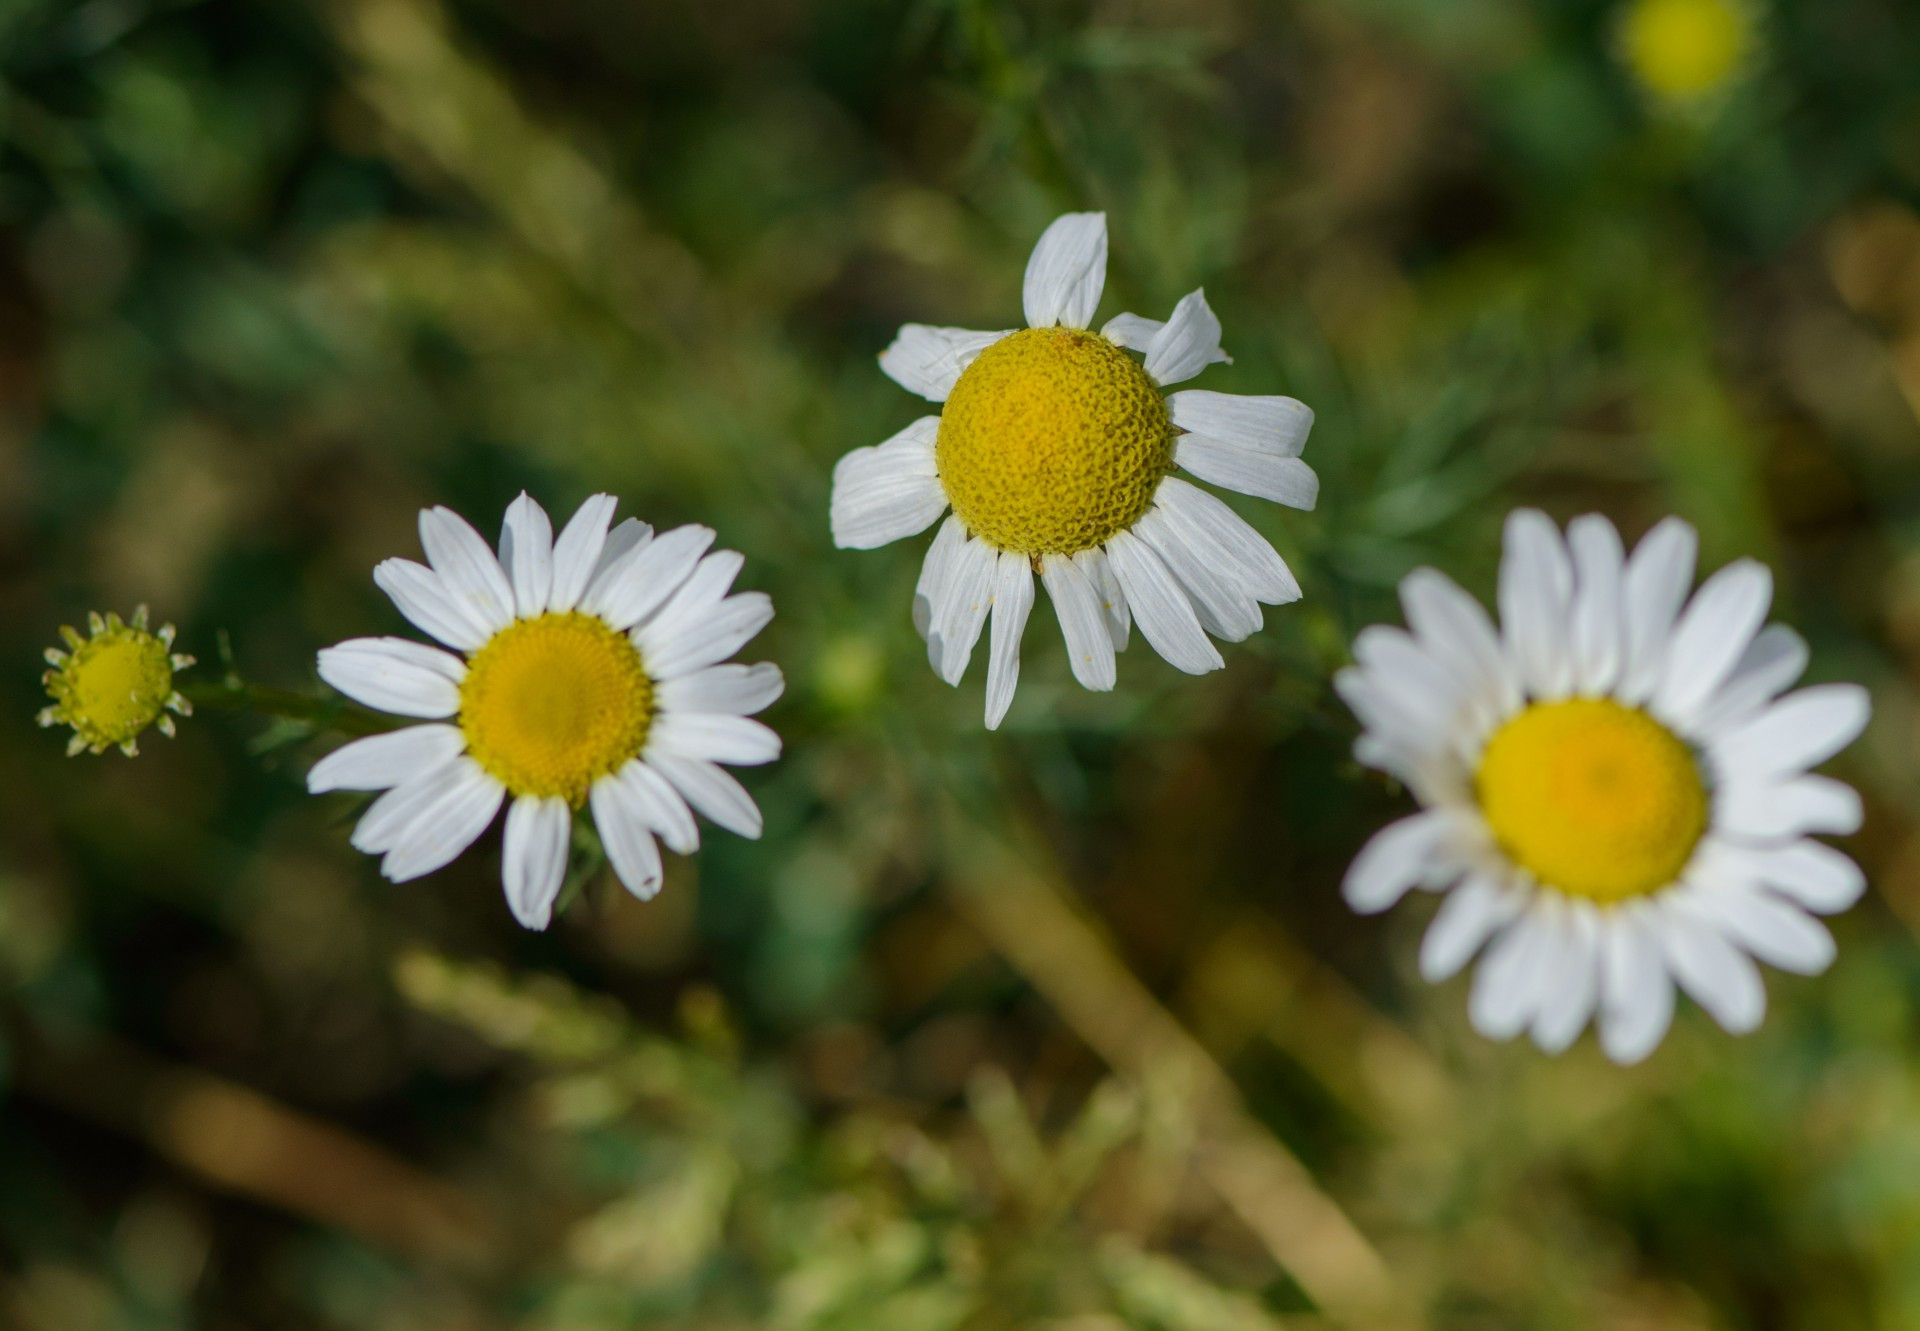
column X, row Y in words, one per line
column 236, row 695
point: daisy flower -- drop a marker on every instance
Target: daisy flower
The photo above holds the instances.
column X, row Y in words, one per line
column 1057, row 452
column 114, row 683
column 1616, row 795
column 585, row 672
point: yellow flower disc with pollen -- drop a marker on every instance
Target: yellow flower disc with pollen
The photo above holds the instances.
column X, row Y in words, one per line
column 114, row 685
column 553, row 703
column 1594, row 798
column 1053, row 440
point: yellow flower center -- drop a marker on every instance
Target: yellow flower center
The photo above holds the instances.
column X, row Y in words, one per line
column 552, row 704
column 1684, row 49
column 114, row 685
column 1053, row 440
column 1594, row 798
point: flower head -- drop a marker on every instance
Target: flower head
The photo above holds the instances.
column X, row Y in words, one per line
column 1684, row 51
column 586, row 672
column 1058, row 454
column 114, row 683
column 1616, row 794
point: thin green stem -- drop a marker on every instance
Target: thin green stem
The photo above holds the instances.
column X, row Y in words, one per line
column 236, row 695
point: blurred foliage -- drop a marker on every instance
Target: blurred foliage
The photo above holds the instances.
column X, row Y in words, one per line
column 1063, row 1027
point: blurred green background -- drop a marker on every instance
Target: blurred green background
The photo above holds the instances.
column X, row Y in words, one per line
column 1063, row 1027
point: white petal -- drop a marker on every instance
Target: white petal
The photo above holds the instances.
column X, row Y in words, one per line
column 1394, row 859
column 1659, row 573
column 1012, row 602
column 1812, row 873
column 1188, row 344
column 929, row 361
column 1468, row 916
column 1808, row 872
column 638, row 585
column 1403, row 725
column 381, row 762
column 394, row 812
column 936, row 572
column 1106, row 584
column 1536, row 583
column 692, row 646
column 622, row 541
column 1276, row 426
column 960, row 607
column 470, row 575
column 526, row 553
column 1575, row 987
column 1800, row 731
column 1710, row 638
column 1599, row 636
column 1083, row 621
column 739, row 689
column 701, row 593
column 1284, row 480
column 1514, row 976
column 719, row 738
column 395, row 675
column 1717, row 975
column 1066, row 272
column 622, row 824
column 1774, row 659
column 417, row 591
column 1773, row 811
column 1402, row 671
column 1135, row 332
column 438, row 832
column 1225, row 539
column 1226, row 609
column 576, row 555
column 1162, row 610
column 1456, row 632
column 533, row 857
column 889, row 491
column 1636, row 996
column 1774, row 931
column 665, row 812
column 659, row 803
column 711, row 790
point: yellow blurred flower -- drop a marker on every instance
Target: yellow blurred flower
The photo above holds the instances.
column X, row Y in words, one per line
column 1683, row 51
column 114, row 683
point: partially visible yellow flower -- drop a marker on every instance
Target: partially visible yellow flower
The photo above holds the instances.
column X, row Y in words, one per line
column 114, row 683
column 1684, row 51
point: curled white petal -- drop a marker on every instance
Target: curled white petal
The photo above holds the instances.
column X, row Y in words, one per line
column 1188, row 344
column 1066, row 272
column 929, row 361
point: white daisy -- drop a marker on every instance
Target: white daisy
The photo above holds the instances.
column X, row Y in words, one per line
column 588, row 673
column 1616, row 795
column 1056, row 452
